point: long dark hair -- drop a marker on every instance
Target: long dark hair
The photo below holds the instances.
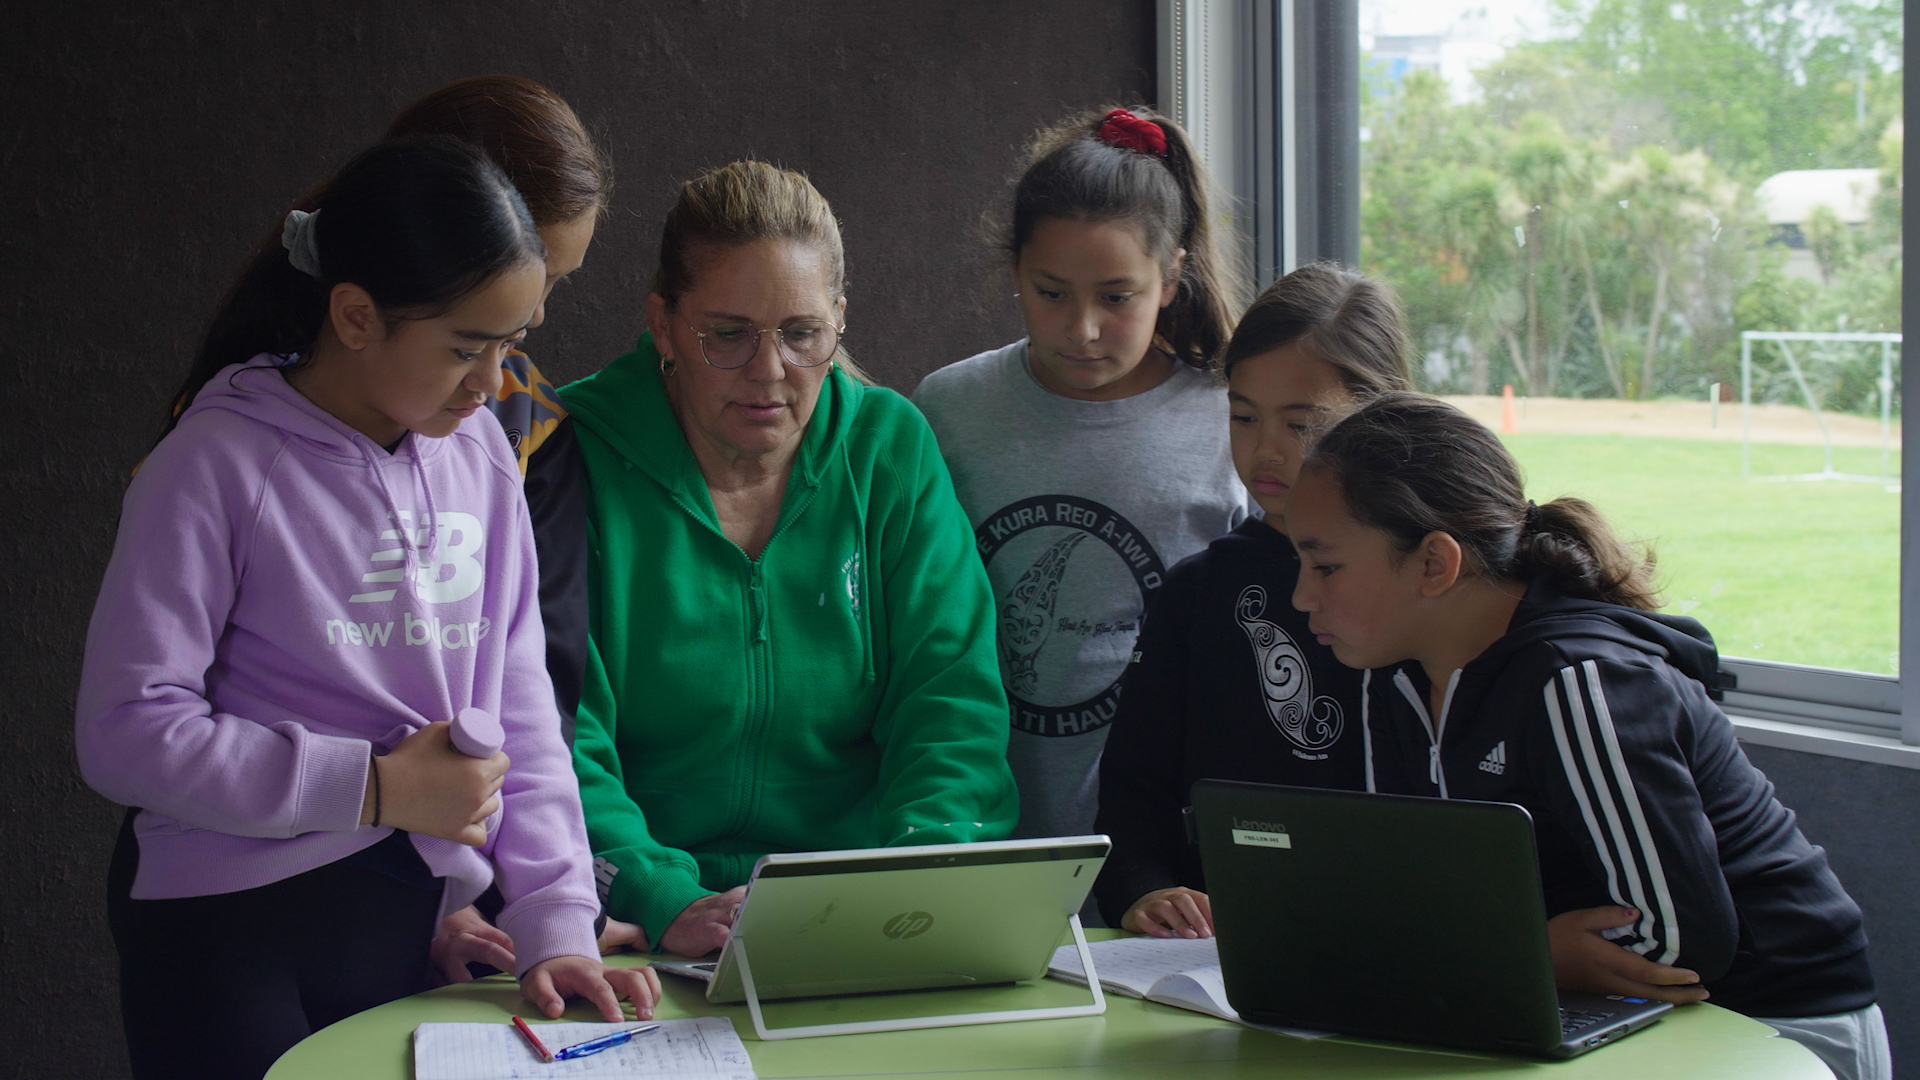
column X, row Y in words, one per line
column 529, row 131
column 1338, row 315
column 1410, row 465
column 1072, row 174
column 418, row 223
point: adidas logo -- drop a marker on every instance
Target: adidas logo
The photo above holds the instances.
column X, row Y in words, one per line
column 1496, row 759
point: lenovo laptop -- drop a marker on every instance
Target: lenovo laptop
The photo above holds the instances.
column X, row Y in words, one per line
column 1390, row 917
column 829, row 923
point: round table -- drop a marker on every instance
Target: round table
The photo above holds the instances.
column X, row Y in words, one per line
column 1134, row 1039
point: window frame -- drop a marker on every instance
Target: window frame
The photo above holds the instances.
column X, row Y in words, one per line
column 1255, row 82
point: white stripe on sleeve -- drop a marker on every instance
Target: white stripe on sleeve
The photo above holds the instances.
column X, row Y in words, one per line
column 1609, row 808
column 1586, row 710
column 1650, row 855
column 1579, row 787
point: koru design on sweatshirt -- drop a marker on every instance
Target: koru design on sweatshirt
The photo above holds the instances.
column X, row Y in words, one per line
column 1310, row 723
column 1061, row 653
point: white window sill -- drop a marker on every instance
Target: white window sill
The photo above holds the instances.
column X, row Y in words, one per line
column 1878, row 749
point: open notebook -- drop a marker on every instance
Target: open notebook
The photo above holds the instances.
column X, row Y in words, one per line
column 1181, row 972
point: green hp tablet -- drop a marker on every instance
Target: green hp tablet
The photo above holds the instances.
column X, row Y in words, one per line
column 829, row 923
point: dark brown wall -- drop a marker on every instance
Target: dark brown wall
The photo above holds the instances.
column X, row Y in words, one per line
column 144, row 147
column 1864, row 816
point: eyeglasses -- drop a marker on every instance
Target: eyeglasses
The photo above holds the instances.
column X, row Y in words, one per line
column 731, row 344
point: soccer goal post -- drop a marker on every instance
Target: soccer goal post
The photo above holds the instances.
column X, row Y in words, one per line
column 1783, row 338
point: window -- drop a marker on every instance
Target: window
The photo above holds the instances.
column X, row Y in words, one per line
column 1658, row 246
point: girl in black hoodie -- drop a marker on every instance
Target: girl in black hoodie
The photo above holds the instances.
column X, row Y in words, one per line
column 1225, row 680
column 1514, row 655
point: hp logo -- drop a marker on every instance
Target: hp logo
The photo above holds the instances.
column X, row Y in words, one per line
column 907, row 924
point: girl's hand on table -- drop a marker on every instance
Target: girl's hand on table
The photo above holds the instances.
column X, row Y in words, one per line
column 426, row 785
column 1166, row 913
column 549, row 983
column 620, row 936
column 1584, row 960
column 466, row 937
column 705, row 924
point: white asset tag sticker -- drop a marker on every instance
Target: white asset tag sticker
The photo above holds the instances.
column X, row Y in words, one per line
column 1262, row 839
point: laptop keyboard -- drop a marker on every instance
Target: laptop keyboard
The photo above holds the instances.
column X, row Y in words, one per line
column 1572, row 1020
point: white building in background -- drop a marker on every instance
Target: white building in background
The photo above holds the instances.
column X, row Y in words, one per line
column 1788, row 200
column 1468, row 41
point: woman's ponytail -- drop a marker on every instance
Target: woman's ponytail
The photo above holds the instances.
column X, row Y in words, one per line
column 1102, row 166
column 1211, row 294
column 418, row 223
column 1410, row 465
column 1569, row 542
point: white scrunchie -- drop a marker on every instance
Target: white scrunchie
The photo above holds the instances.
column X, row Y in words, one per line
column 297, row 237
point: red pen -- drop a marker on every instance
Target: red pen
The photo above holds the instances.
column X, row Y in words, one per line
column 539, row 1048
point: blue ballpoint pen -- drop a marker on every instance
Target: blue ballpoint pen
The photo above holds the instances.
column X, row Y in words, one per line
column 604, row 1042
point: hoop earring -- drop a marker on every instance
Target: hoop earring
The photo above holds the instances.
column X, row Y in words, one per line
column 668, row 365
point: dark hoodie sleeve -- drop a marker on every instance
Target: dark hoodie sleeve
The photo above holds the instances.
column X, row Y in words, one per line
column 1614, row 769
column 1142, row 776
column 557, row 500
column 541, row 434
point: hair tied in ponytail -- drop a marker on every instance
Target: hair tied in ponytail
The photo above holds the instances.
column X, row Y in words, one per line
column 303, row 251
column 1127, row 131
column 1465, row 483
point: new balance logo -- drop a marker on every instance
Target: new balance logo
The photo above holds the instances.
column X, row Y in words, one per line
column 460, row 540
column 1496, row 759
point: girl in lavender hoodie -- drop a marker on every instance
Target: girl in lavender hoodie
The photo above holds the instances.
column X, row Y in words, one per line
column 316, row 663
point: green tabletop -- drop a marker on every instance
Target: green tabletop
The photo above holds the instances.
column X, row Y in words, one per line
column 1135, row 1039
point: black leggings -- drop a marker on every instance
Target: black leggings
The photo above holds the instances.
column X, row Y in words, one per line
column 220, row 986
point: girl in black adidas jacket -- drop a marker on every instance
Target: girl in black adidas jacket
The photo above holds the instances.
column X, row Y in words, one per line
column 1225, row 680
column 1513, row 655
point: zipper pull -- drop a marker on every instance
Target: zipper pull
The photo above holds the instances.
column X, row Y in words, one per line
column 757, row 593
column 1433, row 765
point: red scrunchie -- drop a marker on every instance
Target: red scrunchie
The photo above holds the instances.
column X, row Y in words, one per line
column 1127, row 131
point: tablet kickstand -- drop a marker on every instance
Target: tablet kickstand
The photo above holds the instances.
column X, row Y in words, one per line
column 1095, row 1008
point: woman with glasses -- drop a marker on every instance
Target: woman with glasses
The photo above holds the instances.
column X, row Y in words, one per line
column 791, row 638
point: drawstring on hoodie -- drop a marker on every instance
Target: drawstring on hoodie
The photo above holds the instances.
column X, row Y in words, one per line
column 1366, row 725
column 1436, row 730
column 411, row 553
column 426, row 489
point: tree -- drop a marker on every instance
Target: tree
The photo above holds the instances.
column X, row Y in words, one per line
column 1588, row 224
column 1432, row 218
column 1762, row 86
column 1669, row 215
column 1551, row 175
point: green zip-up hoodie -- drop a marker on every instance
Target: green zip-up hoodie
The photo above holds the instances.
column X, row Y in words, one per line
column 840, row 692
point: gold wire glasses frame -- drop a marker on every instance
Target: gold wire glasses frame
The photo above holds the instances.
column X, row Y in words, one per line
column 730, row 345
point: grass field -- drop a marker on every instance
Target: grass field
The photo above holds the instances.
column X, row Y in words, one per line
column 1803, row 572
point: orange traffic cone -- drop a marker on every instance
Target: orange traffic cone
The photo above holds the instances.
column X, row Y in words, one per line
column 1508, row 425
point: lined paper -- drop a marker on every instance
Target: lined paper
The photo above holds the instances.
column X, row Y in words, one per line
column 1131, row 966
column 705, row 1048
column 1182, row 972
